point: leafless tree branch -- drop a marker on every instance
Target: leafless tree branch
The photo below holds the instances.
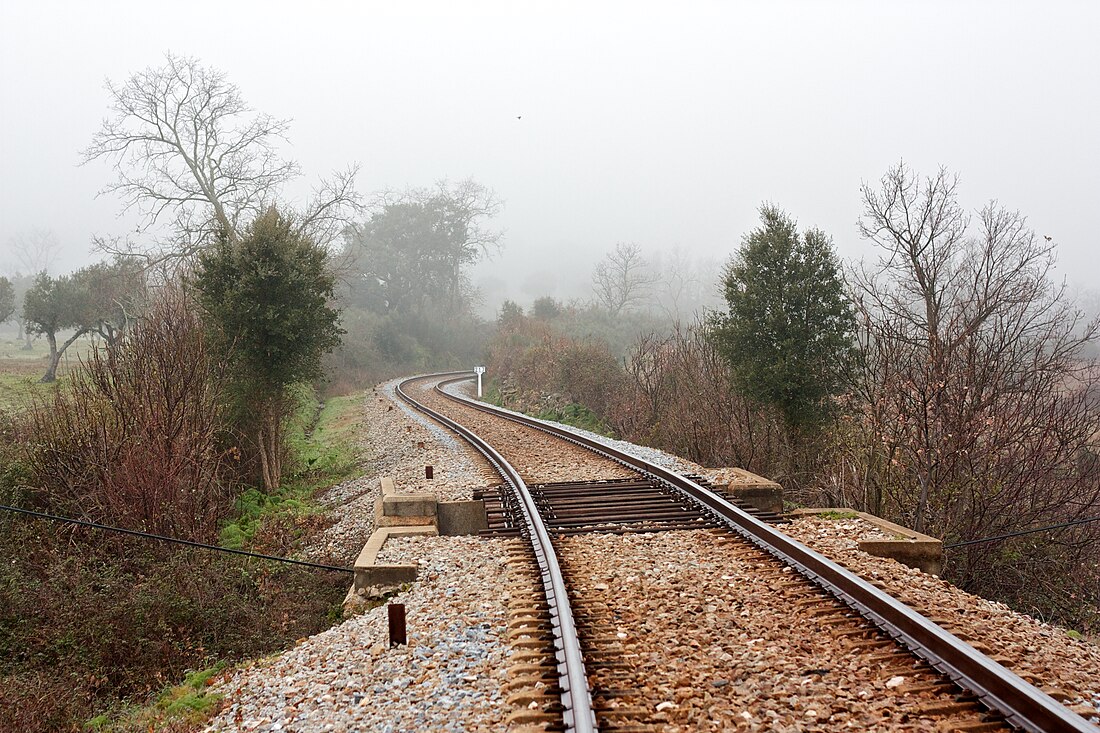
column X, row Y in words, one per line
column 184, row 143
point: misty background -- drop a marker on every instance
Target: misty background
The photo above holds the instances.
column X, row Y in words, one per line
column 594, row 124
column 218, row 387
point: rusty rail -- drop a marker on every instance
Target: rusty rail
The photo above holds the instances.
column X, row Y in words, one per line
column 1001, row 690
column 576, row 696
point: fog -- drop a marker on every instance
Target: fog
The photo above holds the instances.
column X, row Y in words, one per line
column 659, row 124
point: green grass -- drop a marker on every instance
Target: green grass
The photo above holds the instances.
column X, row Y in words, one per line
column 492, row 394
column 16, row 389
column 322, row 454
column 12, row 349
column 324, row 446
column 578, row 416
column 188, row 703
column 21, row 371
column 839, row 515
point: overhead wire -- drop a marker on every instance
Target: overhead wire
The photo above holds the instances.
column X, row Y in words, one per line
column 1021, row 533
column 173, row 540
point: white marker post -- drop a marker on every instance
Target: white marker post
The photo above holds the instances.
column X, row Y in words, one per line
column 479, row 370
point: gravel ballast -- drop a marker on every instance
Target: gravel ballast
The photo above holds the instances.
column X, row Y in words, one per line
column 398, row 444
column 539, row 458
column 1045, row 655
column 653, row 455
column 448, row 678
column 718, row 643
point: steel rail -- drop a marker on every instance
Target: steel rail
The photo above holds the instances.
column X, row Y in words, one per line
column 576, row 696
column 1023, row 705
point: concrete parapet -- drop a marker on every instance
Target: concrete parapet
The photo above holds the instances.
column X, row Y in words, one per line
column 378, row 539
column 908, row 546
column 408, row 505
column 756, row 491
column 373, row 579
column 926, row 556
column 461, row 517
column 406, row 515
column 379, row 577
column 382, row 520
column 399, row 510
column 764, row 498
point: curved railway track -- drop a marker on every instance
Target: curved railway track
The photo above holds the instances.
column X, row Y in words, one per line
column 983, row 680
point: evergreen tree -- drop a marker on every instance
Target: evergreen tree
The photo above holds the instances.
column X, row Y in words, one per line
column 53, row 305
column 266, row 299
column 789, row 326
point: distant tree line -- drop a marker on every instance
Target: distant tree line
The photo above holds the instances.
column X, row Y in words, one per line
column 409, row 304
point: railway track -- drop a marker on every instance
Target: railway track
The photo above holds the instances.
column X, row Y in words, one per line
column 564, row 514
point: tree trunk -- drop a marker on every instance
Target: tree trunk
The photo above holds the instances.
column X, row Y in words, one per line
column 55, row 353
column 26, row 335
column 55, row 357
column 270, row 445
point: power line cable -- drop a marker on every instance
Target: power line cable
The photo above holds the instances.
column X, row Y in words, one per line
column 175, row 540
column 1022, row 532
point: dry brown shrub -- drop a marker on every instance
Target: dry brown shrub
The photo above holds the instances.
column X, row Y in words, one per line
column 133, row 439
column 680, row 396
column 544, row 364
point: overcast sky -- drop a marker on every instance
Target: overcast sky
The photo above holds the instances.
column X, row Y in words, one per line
column 663, row 124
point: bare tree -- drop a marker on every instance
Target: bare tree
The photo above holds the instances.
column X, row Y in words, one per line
column 622, row 280
column 34, row 251
column 682, row 284
column 187, row 147
column 973, row 391
column 680, row 395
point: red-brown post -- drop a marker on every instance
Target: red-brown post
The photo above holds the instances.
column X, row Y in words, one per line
column 397, row 624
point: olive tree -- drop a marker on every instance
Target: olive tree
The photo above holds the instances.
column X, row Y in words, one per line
column 104, row 299
column 266, row 298
column 53, row 305
column 116, row 294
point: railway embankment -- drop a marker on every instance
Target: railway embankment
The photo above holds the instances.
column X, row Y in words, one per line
column 686, row 630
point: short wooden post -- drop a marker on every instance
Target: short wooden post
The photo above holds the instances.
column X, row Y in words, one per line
column 397, row 624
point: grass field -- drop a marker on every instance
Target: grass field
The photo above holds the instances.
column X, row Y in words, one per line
column 20, row 370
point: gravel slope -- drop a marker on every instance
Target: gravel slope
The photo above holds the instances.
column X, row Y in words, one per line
column 448, row 678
